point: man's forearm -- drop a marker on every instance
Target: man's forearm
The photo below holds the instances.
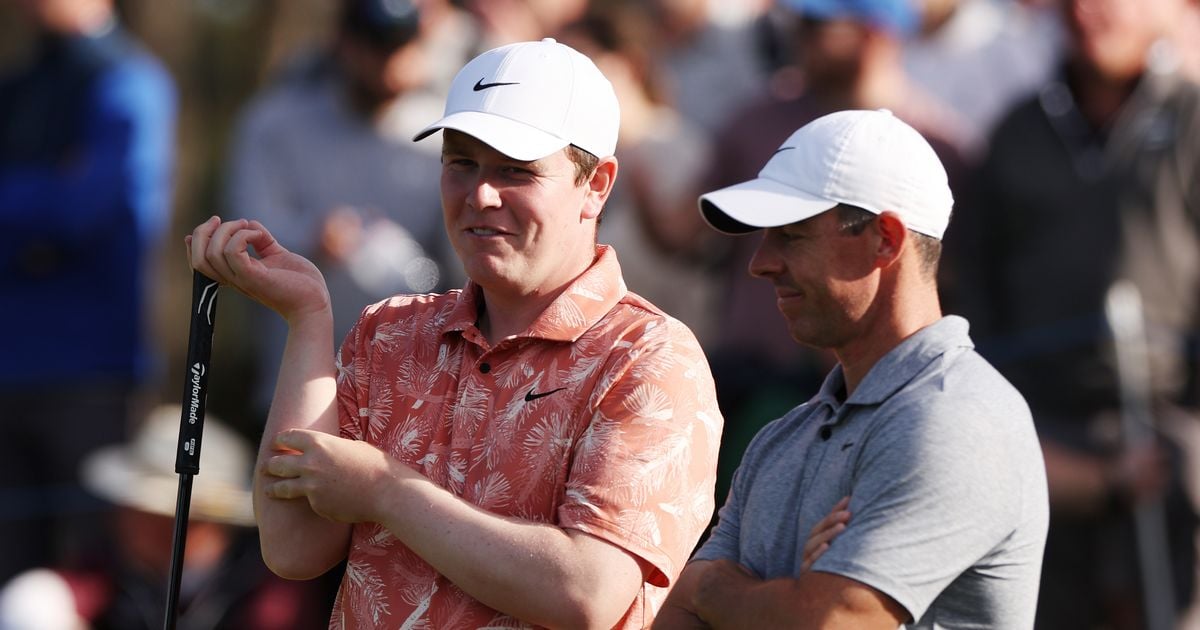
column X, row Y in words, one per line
column 678, row 611
column 296, row 542
column 727, row 596
column 536, row 572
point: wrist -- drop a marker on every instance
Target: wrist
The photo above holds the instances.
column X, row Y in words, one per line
column 312, row 322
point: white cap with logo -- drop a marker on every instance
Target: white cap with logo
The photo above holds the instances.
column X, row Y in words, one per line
column 530, row 99
column 869, row 159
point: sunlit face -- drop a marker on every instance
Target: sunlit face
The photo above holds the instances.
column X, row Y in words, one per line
column 825, row 278
column 520, row 228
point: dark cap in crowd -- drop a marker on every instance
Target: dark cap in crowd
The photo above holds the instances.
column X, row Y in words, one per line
column 385, row 24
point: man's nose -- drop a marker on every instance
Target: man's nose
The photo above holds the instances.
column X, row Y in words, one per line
column 484, row 195
column 766, row 261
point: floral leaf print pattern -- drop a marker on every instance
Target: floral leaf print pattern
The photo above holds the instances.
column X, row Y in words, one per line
column 649, row 404
column 389, row 336
column 416, row 619
column 366, row 594
column 471, row 410
column 601, row 436
column 379, row 413
column 589, row 420
column 641, row 523
column 416, row 576
column 492, row 492
column 342, row 372
column 407, row 440
column 546, row 446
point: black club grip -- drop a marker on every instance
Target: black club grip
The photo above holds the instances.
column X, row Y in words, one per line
column 195, row 389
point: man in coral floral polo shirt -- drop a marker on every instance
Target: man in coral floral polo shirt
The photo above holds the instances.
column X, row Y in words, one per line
column 536, row 449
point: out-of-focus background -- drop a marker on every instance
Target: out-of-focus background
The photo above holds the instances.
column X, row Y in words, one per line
column 1070, row 130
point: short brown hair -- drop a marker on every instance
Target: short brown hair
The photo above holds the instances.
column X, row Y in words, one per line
column 585, row 163
column 854, row 220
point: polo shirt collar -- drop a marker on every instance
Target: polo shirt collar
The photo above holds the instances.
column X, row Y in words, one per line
column 901, row 364
column 585, row 301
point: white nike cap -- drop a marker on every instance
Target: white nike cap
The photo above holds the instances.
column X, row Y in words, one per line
column 530, row 99
column 869, row 159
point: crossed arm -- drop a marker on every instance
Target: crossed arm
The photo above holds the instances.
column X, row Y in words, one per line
column 311, row 485
column 724, row 594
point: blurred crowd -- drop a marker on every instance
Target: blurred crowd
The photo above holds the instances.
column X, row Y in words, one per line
column 1070, row 130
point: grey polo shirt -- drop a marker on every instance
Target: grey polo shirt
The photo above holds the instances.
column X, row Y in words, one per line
column 947, row 484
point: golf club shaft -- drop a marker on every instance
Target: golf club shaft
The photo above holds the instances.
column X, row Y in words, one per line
column 191, row 425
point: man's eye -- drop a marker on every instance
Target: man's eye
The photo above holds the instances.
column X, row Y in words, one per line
column 457, row 163
column 516, row 171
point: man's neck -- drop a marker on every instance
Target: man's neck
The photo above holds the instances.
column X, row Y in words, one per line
column 502, row 315
column 882, row 335
column 500, row 319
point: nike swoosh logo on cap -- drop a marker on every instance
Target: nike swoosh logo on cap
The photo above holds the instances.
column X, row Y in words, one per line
column 480, row 85
column 781, row 150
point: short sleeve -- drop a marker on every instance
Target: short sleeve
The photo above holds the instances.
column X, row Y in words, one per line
column 644, row 469
column 722, row 542
column 353, row 373
column 934, row 492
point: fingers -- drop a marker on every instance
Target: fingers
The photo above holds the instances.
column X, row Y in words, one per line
column 291, row 446
column 296, row 440
column 263, row 242
column 206, row 245
column 824, row 532
column 220, row 249
column 283, row 489
column 284, row 466
column 197, row 244
column 811, row 556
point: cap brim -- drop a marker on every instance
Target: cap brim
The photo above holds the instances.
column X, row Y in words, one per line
column 757, row 204
column 515, row 139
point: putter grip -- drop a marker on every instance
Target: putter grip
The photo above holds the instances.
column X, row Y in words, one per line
column 195, row 387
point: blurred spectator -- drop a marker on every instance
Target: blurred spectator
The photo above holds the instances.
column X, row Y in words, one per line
column 1187, row 39
column 849, row 55
column 508, row 21
column 225, row 583
column 980, row 56
column 325, row 157
column 662, row 156
column 450, row 35
column 86, row 153
column 1093, row 180
column 713, row 68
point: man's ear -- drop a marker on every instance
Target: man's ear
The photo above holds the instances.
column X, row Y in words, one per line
column 599, row 187
column 893, row 236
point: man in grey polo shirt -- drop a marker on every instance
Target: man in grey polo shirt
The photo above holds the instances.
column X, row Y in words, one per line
column 936, row 450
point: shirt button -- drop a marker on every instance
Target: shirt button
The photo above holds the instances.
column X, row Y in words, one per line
column 485, row 368
column 826, row 432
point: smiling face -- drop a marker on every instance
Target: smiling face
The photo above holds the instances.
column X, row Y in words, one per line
column 520, row 228
column 825, row 278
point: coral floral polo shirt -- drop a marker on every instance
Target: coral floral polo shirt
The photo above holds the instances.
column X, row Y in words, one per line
column 601, row 417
